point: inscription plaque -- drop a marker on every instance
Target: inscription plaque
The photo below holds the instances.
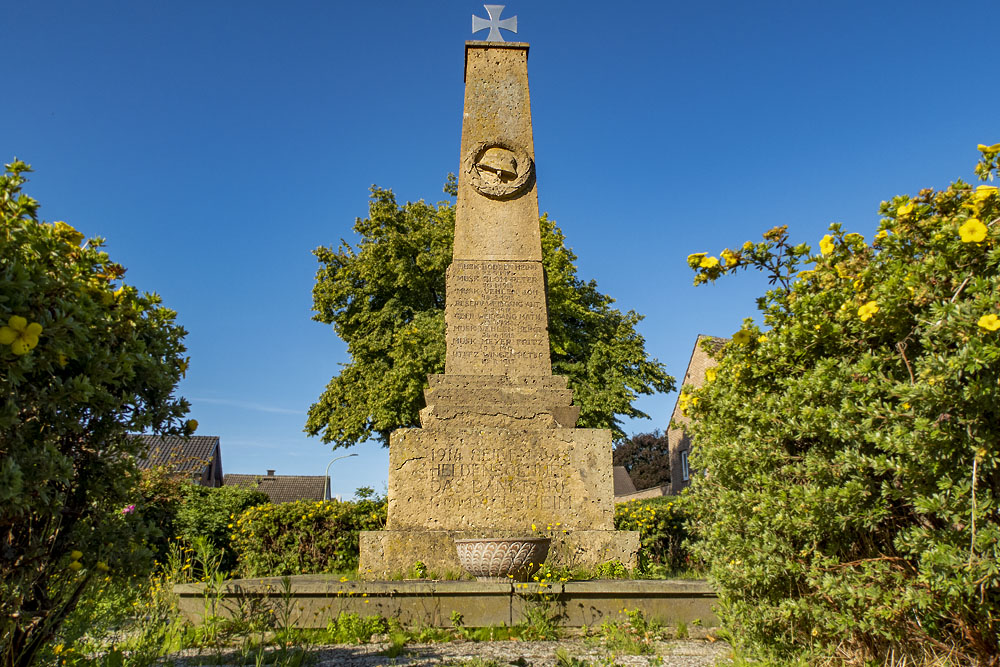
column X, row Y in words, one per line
column 497, row 323
column 491, row 478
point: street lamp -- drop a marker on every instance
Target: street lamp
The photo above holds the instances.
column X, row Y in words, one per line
column 327, row 474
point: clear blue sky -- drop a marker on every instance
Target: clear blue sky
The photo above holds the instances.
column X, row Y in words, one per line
column 216, row 144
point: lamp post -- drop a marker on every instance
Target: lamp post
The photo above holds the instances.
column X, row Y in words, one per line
column 327, row 474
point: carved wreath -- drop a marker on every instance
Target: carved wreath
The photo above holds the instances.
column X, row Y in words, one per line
column 498, row 169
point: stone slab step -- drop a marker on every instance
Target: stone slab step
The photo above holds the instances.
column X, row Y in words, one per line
column 527, row 382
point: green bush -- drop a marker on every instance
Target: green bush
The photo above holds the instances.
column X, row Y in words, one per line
column 160, row 495
column 303, row 537
column 849, row 456
column 660, row 523
column 84, row 360
column 211, row 513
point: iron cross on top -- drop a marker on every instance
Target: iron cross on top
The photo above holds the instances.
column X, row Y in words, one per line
column 494, row 24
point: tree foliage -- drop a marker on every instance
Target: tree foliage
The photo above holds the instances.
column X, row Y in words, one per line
column 304, row 537
column 84, row 361
column 210, row 513
column 646, row 457
column 385, row 299
column 851, row 453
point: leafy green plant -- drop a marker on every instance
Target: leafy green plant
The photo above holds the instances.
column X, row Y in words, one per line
column 210, row 513
column 85, row 359
column 350, row 628
column 848, row 457
column 542, row 610
column 633, row 634
column 303, row 537
column 662, row 533
column 612, row 569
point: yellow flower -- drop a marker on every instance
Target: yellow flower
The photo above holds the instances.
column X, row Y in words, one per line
column 989, row 322
column 983, row 148
column 75, row 565
column 708, row 262
column 102, row 566
column 729, row 257
column 76, row 555
column 972, row 231
column 741, row 337
column 826, row 244
column 904, row 210
column 67, row 233
column 866, row 311
column 694, row 259
column 856, row 239
column 21, row 336
column 985, row 192
column 684, row 401
column 710, row 374
column 882, row 234
column 905, row 406
column 762, row 339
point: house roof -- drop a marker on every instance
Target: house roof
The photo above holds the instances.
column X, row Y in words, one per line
column 179, row 453
column 701, row 360
column 282, row 488
column 623, row 483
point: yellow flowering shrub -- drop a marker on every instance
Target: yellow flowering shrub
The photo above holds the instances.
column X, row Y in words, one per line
column 79, row 371
column 304, row 537
column 660, row 522
column 849, row 466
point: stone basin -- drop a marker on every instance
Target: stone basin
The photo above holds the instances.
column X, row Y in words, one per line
column 502, row 558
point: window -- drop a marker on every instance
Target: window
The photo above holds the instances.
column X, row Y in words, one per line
column 685, row 472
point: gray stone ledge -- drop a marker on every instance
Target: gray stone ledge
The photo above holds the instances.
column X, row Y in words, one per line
column 315, row 599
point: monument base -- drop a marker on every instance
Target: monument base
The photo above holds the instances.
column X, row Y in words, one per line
column 391, row 553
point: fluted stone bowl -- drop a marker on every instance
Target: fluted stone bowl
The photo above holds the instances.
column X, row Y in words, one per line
column 502, row 558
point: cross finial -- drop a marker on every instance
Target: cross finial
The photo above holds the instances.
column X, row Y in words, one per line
column 494, row 24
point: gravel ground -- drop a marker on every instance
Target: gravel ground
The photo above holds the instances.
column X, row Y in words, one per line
column 673, row 653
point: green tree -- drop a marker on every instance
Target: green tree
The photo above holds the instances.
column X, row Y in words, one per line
column 386, row 298
column 646, row 457
column 84, row 361
column 211, row 513
column 851, row 451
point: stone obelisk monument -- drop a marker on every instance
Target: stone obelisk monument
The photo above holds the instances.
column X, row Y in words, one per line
column 497, row 454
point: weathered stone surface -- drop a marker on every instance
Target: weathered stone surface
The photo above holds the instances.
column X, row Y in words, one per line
column 388, row 553
column 497, row 454
column 497, row 114
column 496, row 318
column 316, row 599
column 500, row 479
column 499, row 401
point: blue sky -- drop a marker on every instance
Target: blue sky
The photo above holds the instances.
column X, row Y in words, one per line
column 216, row 144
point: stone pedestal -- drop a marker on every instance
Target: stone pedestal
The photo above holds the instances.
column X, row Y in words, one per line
column 497, row 454
column 387, row 553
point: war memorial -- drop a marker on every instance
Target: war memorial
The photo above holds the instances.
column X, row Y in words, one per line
column 497, row 455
